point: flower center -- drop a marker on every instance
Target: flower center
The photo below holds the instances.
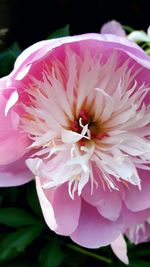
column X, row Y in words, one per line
column 87, row 123
column 96, row 129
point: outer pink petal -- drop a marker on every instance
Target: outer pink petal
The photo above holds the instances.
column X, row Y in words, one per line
column 119, row 248
column 46, row 206
column 136, row 199
column 94, row 230
column 61, row 213
column 107, row 202
column 12, row 142
column 66, row 210
column 139, row 233
column 113, row 27
column 15, row 173
column 40, row 50
column 128, row 218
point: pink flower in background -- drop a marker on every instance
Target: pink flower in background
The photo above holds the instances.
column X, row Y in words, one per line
column 139, row 233
column 115, row 27
column 75, row 114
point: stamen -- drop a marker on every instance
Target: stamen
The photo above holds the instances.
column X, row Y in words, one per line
column 80, row 122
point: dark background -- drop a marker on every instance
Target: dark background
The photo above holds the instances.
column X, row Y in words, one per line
column 30, row 21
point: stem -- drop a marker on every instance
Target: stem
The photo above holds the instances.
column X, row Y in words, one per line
column 89, row 253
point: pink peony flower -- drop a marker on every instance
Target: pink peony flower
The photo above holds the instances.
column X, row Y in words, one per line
column 115, row 27
column 139, row 233
column 75, row 112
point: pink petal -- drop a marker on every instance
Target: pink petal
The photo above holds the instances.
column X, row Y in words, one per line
column 93, row 230
column 128, row 218
column 36, row 53
column 107, row 202
column 119, row 248
column 9, row 150
column 113, row 27
column 15, row 173
column 46, row 206
column 139, row 233
column 66, row 210
column 13, row 143
column 61, row 213
column 110, row 206
column 23, row 73
column 136, row 199
column 11, row 102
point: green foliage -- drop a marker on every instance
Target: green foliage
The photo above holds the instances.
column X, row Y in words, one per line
column 128, row 29
column 51, row 255
column 139, row 263
column 16, row 242
column 16, row 217
column 33, row 199
column 7, row 59
column 62, row 32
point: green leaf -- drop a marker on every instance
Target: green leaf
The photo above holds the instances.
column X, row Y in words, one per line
column 139, row 253
column 7, row 58
column 51, row 255
column 16, row 217
column 128, row 28
column 14, row 50
column 62, row 32
column 139, row 263
column 147, row 51
column 33, row 200
column 17, row 241
column 6, row 63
